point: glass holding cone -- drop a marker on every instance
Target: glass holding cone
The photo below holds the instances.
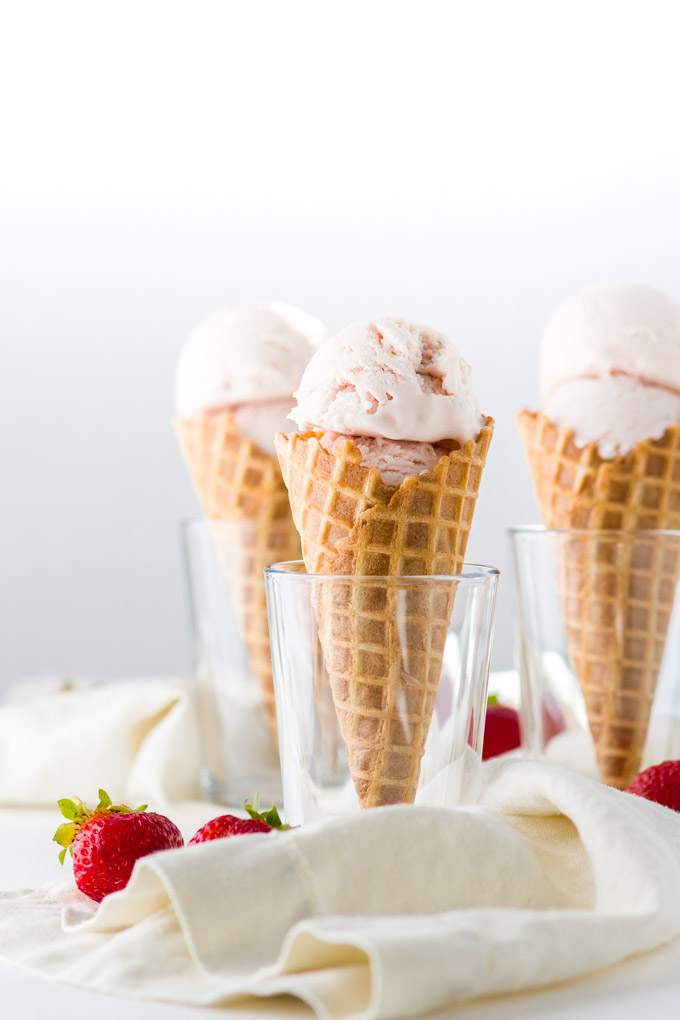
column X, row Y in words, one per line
column 381, row 687
column 383, row 623
column 599, row 648
column 596, row 592
column 234, row 388
column 380, row 482
column 248, row 525
column 232, row 662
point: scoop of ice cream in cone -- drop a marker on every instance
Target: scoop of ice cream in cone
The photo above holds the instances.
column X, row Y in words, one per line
column 610, row 367
column 248, row 362
column 383, row 480
column 235, row 380
column 604, row 454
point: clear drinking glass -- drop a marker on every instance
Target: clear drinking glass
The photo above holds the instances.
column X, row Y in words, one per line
column 232, row 662
column 598, row 648
column 381, row 687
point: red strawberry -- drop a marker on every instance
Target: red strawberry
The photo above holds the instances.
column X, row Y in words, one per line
column 228, row 825
column 106, row 842
column 232, row 825
column 552, row 717
column 660, row 783
column 501, row 731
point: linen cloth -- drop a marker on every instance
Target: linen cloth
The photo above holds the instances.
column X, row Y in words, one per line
column 393, row 912
column 137, row 739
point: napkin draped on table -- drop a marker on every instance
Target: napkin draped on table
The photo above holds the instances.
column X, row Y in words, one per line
column 393, row 912
column 138, row 739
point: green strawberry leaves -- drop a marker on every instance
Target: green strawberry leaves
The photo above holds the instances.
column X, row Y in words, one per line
column 64, row 836
column 270, row 817
column 78, row 814
column 105, row 806
column 68, row 809
column 104, row 801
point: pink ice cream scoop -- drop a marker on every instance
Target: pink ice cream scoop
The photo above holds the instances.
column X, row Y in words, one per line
column 249, row 361
column 610, row 366
column 394, row 460
column 396, row 388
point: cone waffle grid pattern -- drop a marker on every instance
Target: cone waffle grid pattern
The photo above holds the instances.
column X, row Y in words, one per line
column 576, row 488
column 232, row 477
column 351, row 522
column 616, row 597
column 236, row 481
column 383, row 644
column 263, row 543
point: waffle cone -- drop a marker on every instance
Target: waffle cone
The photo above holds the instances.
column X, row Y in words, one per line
column 236, row 481
column 383, row 644
column 616, row 597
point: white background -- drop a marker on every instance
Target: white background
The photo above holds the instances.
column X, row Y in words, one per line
column 467, row 165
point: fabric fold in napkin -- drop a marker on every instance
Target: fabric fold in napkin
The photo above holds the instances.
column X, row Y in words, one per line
column 394, row 912
column 138, row 739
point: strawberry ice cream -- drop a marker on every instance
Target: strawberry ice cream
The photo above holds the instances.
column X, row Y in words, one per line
column 248, row 361
column 610, row 366
column 397, row 389
column 394, row 460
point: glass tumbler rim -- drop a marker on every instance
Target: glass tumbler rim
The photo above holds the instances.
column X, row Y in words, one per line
column 478, row 572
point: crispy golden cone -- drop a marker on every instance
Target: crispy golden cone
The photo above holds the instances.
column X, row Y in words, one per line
column 616, row 599
column 383, row 645
column 235, row 480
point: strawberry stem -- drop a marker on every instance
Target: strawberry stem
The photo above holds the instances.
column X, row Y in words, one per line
column 270, row 817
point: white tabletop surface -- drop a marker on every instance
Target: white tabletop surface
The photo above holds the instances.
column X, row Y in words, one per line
column 647, row 985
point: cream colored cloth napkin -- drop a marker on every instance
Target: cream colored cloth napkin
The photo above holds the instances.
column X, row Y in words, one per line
column 137, row 739
column 391, row 913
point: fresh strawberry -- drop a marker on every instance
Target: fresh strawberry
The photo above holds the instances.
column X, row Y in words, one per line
column 660, row 783
column 106, row 842
column 501, row 731
column 232, row 825
column 228, row 825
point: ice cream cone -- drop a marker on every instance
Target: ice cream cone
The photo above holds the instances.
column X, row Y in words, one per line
column 616, row 600
column 383, row 644
column 236, row 481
